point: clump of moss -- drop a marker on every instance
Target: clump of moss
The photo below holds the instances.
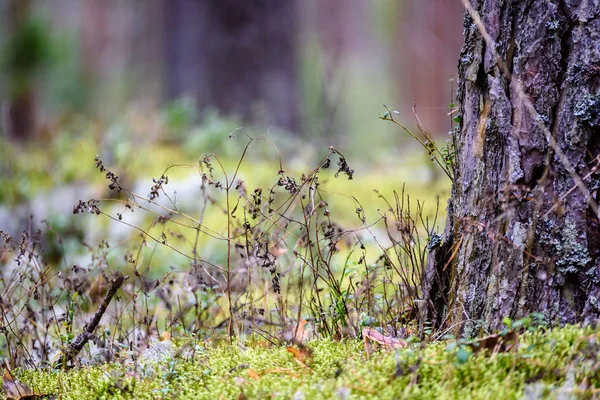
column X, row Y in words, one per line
column 558, row 362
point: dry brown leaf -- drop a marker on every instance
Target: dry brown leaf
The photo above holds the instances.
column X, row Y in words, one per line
column 253, row 374
column 371, row 334
column 15, row 390
column 302, row 354
column 496, row 343
column 376, row 336
column 300, row 335
column 296, row 333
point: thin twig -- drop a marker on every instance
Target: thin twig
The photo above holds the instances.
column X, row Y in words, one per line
column 89, row 328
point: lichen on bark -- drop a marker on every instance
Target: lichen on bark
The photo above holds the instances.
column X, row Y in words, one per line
column 521, row 237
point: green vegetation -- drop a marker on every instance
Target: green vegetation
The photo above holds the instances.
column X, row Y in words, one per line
column 138, row 150
column 244, row 245
column 562, row 363
column 352, row 262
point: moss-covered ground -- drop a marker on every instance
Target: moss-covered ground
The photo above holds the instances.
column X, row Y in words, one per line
column 562, row 363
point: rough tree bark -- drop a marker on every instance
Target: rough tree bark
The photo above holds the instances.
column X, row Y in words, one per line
column 521, row 236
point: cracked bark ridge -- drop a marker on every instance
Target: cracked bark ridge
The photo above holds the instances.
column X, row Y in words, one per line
column 518, row 237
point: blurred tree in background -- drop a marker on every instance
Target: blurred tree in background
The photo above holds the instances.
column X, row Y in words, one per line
column 122, row 51
column 320, row 69
column 429, row 34
column 239, row 57
column 25, row 53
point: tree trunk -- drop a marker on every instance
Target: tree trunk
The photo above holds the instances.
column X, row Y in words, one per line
column 239, row 57
column 521, row 235
column 23, row 62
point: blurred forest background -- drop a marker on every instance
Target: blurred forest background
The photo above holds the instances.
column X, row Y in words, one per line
column 121, row 153
column 175, row 77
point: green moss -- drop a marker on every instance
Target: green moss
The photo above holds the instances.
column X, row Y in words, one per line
column 564, row 360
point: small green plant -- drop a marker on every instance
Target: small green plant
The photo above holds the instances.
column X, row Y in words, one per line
column 242, row 260
column 442, row 156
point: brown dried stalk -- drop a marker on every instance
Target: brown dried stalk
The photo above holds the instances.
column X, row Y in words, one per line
column 89, row 328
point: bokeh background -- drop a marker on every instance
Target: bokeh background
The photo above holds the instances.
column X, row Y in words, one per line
column 147, row 83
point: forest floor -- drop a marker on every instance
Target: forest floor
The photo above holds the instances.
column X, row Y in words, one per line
column 562, row 363
column 536, row 364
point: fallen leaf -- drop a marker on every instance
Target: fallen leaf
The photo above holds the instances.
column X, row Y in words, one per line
column 15, row 390
column 253, row 374
column 302, row 354
column 300, row 335
column 296, row 333
column 376, row 336
column 498, row 343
